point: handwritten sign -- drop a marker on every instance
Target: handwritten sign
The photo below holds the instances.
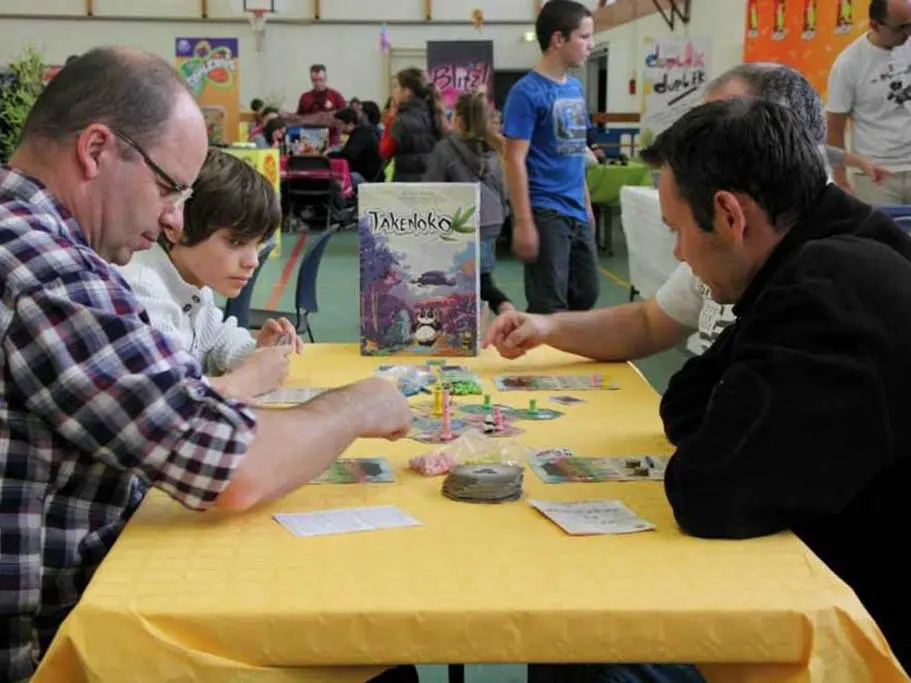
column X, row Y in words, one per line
column 675, row 72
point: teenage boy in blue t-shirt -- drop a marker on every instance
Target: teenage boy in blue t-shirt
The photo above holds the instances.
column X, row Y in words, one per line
column 545, row 123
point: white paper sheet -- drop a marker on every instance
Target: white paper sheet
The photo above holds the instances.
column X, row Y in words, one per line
column 344, row 520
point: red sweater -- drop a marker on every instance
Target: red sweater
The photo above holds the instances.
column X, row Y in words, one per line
column 387, row 144
column 316, row 101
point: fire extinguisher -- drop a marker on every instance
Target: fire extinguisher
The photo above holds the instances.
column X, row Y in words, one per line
column 632, row 85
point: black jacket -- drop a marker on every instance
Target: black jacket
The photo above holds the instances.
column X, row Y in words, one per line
column 362, row 151
column 415, row 137
column 798, row 417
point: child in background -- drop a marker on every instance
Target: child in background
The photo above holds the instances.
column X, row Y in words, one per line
column 545, row 122
column 415, row 124
column 470, row 155
column 230, row 216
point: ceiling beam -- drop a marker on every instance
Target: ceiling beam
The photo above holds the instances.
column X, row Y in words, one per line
column 625, row 11
column 679, row 8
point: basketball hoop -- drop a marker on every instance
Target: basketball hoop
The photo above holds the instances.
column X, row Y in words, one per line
column 258, row 24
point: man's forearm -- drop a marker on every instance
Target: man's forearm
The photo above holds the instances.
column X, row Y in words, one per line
column 835, row 156
column 616, row 333
column 292, row 447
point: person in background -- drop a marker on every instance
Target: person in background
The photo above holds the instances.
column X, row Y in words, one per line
column 870, row 84
column 356, row 104
column 232, row 213
column 321, row 98
column 414, row 125
column 262, row 117
column 470, row 155
column 317, row 105
column 273, row 134
column 372, row 116
column 108, row 156
column 545, row 122
column 361, row 150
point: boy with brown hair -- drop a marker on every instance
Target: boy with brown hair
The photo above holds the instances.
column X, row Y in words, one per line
column 231, row 214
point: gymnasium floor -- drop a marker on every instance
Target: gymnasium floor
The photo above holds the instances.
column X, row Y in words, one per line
column 337, row 321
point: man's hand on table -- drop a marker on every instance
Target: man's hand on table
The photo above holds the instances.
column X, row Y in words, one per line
column 383, row 411
column 514, row 333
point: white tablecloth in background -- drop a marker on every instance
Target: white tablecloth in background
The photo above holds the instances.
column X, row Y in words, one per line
column 649, row 243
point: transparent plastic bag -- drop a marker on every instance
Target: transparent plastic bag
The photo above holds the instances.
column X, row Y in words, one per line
column 410, row 379
column 471, row 448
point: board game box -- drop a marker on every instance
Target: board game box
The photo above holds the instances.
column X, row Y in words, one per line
column 419, row 269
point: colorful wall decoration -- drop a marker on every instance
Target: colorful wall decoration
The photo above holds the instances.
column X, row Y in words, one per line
column 211, row 69
column 460, row 66
column 805, row 34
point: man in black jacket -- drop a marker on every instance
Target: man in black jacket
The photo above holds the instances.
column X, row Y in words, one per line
column 362, row 150
column 797, row 417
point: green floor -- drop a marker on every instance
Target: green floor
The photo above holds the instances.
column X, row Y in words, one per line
column 337, row 321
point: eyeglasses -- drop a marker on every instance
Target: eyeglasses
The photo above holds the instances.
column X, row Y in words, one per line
column 181, row 193
column 901, row 28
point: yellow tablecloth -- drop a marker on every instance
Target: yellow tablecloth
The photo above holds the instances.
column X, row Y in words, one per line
column 212, row 598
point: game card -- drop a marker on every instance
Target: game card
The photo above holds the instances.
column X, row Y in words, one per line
column 344, row 520
column 560, row 469
column 553, row 382
column 590, row 517
column 357, row 471
column 640, row 467
column 566, row 400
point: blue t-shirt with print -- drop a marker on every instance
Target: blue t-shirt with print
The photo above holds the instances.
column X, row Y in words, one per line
column 553, row 118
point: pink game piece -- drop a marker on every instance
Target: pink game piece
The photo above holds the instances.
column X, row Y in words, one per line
column 497, row 419
column 432, row 463
column 445, row 422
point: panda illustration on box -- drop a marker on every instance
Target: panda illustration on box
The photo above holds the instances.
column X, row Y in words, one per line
column 427, row 326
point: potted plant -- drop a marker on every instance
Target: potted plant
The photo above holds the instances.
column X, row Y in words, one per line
column 20, row 84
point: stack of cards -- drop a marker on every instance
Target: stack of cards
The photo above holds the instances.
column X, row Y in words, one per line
column 484, row 483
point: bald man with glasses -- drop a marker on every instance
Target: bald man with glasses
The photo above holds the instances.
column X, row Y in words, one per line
column 97, row 406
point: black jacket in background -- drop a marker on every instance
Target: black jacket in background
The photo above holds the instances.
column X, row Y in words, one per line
column 414, row 137
column 362, row 152
column 799, row 416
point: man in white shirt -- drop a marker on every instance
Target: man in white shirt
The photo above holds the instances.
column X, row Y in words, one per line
column 683, row 304
column 870, row 83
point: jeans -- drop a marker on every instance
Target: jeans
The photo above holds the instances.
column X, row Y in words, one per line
column 565, row 274
column 493, row 295
column 614, row 673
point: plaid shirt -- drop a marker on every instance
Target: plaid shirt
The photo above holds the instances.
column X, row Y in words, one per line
column 95, row 405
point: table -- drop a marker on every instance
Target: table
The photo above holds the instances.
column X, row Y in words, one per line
column 214, row 598
column 605, row 182
column 649, row 242
column 339, row 171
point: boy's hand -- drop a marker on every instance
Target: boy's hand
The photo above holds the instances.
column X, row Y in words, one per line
column 279, row 333
column 525, row 242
